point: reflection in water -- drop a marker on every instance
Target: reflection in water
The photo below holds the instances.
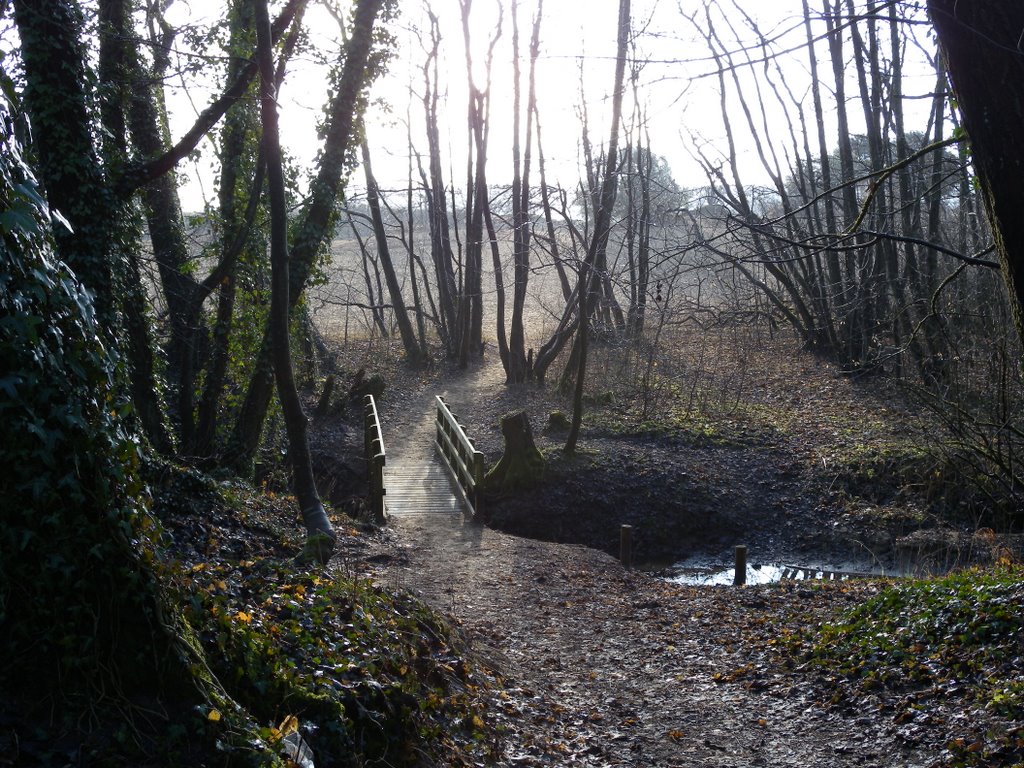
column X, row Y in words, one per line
column 713, row 576
column 700, row 572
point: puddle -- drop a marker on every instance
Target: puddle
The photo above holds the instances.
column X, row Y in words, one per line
column 699, row 572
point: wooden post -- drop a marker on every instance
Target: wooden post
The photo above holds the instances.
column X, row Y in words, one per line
column 478, row 484
column 741, row 565
column 626, row 546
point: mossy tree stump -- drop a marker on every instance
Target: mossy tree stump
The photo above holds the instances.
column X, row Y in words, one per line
column 522, row 464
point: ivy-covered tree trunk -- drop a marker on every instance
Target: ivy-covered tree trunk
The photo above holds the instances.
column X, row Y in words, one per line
column 82, row 615
column 147, row 124
column 981, row 45
column 116, row 70
column 236, row 155
column 69, row 168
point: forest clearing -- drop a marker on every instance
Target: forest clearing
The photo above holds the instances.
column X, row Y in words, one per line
column 685, row 283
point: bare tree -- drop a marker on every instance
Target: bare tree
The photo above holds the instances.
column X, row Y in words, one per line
column 414, row 355
column 477, row 198
column 516, row 367
column 437, row 197
column 588, row 280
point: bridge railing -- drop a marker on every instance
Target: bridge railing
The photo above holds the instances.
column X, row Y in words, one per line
column 464, row 460
column 373, row 448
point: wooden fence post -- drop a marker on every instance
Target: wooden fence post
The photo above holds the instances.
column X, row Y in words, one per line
column 741, row 566
column 626, row 546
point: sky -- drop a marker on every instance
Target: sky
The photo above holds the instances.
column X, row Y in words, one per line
column 681, row 103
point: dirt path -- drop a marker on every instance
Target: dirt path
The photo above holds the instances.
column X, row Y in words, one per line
column 612, row 668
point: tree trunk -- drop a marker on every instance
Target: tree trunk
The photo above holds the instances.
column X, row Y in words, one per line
column 314, row 226
column 69, row 169
column 499, row 292
column 980, row 43
column 374, row 299
column 85, row 615
column 437, row 203
column 549, row 222
column 410, row 248
column 170, row 251
column 405, row 329
column 602, row 221
column 478, row 114
column 320, row 538
column 516, row 368
column 116, row 70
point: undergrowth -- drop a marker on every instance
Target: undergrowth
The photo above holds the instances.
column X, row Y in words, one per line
column 918, row 641
column 357, row 674
column 366, row 676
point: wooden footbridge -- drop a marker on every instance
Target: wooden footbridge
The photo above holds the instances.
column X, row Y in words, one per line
column 439, row 471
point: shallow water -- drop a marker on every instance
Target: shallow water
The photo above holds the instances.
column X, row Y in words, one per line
column 698, row 571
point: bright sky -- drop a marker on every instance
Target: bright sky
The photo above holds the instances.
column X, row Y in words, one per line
column 682, row 107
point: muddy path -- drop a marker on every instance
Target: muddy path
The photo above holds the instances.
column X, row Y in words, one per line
column 607, row 667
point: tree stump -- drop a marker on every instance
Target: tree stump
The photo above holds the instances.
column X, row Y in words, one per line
column 324, row 403
column 522, row 464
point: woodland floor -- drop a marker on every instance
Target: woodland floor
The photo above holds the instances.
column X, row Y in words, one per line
column 600, row 666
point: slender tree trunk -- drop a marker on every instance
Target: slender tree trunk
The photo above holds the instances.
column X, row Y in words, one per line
column 405, row 329
column 374, row 299
column 836, row 282
column 644, row 168
column 499, row 292
column 440, row 232
column 477, row 200
column 517, row 369
column 852, row 299
column 602, row 221
column 549, row 221
column 319, row 532
column 411, row 248
column 314, row 225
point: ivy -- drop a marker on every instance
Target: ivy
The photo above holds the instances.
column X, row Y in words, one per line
column 74, row 507
column 918, row 641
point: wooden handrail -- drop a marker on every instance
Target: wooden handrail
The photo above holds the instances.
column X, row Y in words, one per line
column 464, row 460
column 373, row 450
